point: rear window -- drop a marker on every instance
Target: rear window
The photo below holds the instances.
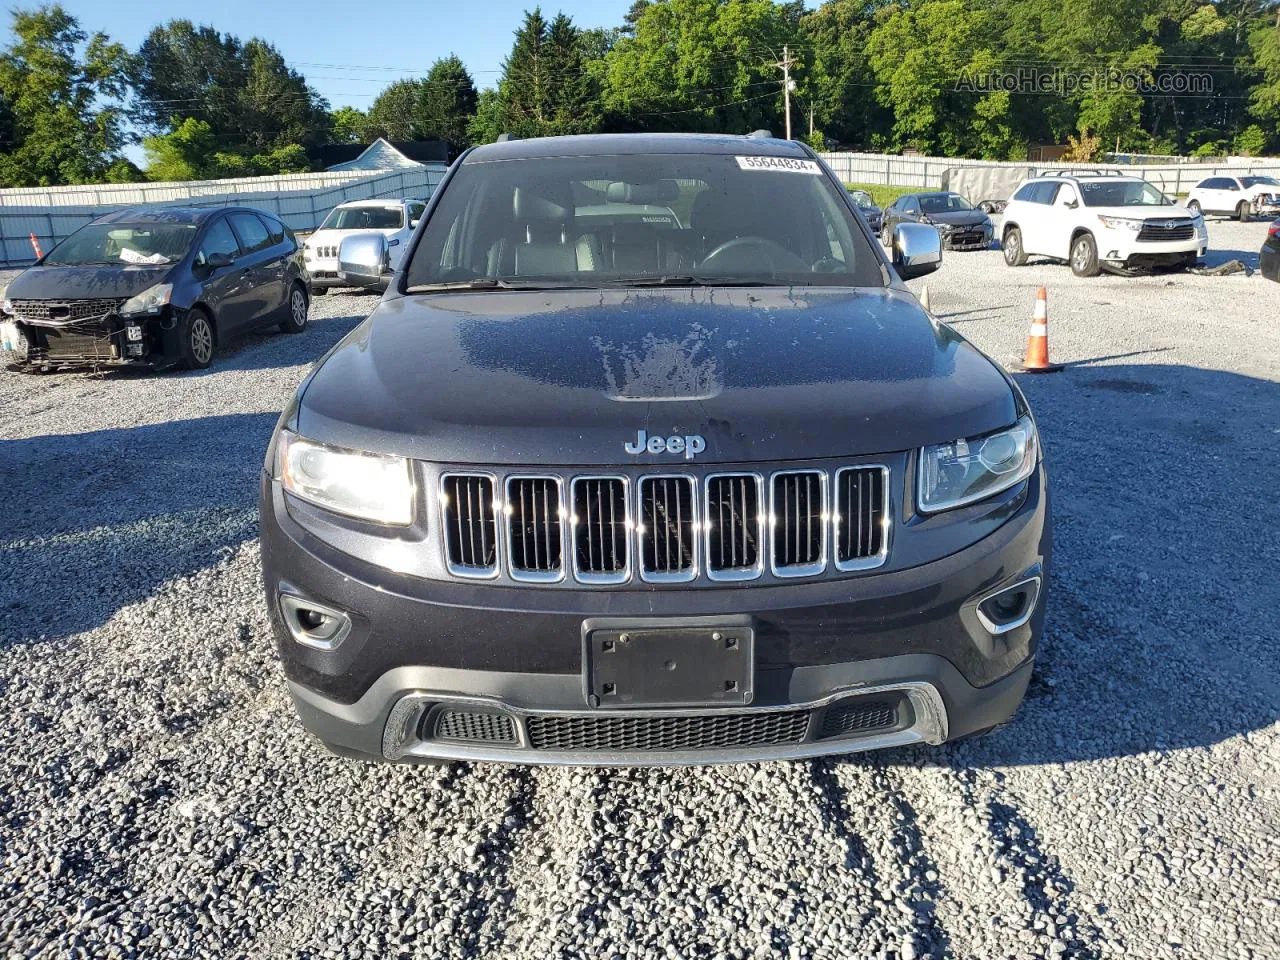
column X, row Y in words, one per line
column 610, row 220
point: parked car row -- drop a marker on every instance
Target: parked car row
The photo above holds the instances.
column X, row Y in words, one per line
column 164, row 286
column 1241, row 197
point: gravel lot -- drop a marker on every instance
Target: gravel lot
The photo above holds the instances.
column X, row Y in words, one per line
column 158, row 799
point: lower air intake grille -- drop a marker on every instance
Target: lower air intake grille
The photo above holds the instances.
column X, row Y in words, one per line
column 641, row 734
column 855, row 716
column 798, row 525
column 668, row 533
column 533, row 527
column 469, row 525
column 733, row 525
column 600, row 529
column 860, row 509
column 474, row 726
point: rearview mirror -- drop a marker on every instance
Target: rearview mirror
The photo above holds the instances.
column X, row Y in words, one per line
column 362, row 260
column 917, row 250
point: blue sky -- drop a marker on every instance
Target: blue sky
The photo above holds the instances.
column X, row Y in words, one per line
column 351, row 49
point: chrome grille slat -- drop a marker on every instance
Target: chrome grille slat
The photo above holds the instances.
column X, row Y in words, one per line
column 799, row 523
column 667, row 529
column 600, row 532
column 734, row 526
column 861, row 517
column 535, row 548
column 471, row 530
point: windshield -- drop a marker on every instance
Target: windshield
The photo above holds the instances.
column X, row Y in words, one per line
column 943, row 203
column 678, row 219
column 364, row 218
column 862, row 199
column 124, row 243
column 1122, row 193
column 1260, row 182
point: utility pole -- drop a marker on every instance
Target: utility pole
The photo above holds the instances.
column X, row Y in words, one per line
column 785, row 65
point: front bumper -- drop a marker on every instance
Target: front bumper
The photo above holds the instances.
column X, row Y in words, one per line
column 908, row 641
column 968, row 239
column 1122, row 248
column 103, row 341
column 323, row 274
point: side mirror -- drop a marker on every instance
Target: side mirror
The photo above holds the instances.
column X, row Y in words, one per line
column 917, row 250
column 217, row 260
column 1071, row 204
column 413, row 224
column 362, row 260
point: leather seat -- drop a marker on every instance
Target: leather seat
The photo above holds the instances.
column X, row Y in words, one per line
column 545, row 242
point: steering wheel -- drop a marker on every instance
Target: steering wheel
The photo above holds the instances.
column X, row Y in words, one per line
column 744, row 254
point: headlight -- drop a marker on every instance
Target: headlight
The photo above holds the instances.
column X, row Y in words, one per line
column 369, row 486
column 149, row 300
column 953, row 474
column 1120, row 223
column 7, row 306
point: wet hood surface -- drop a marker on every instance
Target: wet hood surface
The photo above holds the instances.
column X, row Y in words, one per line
column 569, row 377
column 85, row 283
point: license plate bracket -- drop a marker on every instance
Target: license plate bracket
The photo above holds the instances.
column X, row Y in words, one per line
column 697, row 662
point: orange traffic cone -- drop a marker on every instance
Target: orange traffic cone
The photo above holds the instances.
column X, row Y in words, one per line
column 1037, row 358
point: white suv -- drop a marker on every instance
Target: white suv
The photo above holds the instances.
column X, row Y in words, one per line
column 395, row 219
column 1241, row 197
column 1099, row 220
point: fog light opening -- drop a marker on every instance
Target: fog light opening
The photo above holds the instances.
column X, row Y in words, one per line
column 1009, row 607
column 313, row 624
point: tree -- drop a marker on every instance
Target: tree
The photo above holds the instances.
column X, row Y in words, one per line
column 347, row 125
column 548, row 87
column 183, row 153
column 61, row 89
column 838, row 78
column 251, row 99
column 700, row 65
column 447, row 102
column 395, row 112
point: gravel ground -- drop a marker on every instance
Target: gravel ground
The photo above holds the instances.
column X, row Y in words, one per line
column 158, row 799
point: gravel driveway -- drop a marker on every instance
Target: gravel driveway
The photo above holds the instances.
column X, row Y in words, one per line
column 158, row 799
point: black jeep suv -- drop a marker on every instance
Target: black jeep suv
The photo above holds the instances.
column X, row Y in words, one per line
column 699, row 485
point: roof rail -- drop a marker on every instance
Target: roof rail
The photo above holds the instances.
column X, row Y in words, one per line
column 760, row 135
column 506, row 138
column 1082, row 173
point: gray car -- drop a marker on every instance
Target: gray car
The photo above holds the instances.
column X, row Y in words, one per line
column 155, row 287
column 589, row 489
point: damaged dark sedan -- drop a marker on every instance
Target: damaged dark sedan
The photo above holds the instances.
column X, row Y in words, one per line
column 155, row 287
column 960, row 225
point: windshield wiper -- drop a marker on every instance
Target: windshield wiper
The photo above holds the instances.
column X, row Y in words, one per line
column 493, row 283
column 691, row 281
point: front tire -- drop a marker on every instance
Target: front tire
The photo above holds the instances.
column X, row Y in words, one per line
column 197, row 339
column 295, row 320
column 1014, row 254
column 1084, row 256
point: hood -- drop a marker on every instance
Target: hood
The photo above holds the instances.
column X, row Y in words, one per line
column 569, row 377
column 86, row 283
column 958, row 218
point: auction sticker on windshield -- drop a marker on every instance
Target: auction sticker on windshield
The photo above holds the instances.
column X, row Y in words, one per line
column 782, row 164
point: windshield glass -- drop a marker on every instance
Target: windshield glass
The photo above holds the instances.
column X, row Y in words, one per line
column 862, row 199
column 364, row 218
column 124, row 243
column 943, row 203
column 1260, row 182
column 1122, row 193
column 642, row 219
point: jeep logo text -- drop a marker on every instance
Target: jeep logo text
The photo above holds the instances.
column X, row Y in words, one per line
column 690, row 445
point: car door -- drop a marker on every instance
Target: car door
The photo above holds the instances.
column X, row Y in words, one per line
column 261, row 295
column 276, row 266
column 1060, row 219
column 224, row 288
column 1226, row 194
column 1037, row 237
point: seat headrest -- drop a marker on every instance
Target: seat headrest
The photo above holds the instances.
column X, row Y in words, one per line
column 529, row 207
